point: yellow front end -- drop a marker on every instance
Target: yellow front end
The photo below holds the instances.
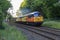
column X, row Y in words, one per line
column 38, row 19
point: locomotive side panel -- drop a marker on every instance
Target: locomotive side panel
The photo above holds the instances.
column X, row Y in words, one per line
column 30, row 18
column 23, row 19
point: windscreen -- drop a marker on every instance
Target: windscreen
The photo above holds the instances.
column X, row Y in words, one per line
column 36, row 14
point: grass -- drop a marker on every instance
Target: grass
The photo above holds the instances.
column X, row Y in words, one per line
column 11, row 33
column 52, row 23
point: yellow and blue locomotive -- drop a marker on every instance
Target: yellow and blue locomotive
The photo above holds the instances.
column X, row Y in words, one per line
column 34, row 18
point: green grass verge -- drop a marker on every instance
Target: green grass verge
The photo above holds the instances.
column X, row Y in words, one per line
column 52, row 23
column 11, row 33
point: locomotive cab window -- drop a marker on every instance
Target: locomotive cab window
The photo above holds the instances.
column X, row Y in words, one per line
column 37, row 14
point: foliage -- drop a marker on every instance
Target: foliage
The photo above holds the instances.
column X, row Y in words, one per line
column 49, row 8
column 52, row 23
column 4, row 5
column 11, row 33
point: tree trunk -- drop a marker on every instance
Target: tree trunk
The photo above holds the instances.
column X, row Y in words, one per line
column 1, row 24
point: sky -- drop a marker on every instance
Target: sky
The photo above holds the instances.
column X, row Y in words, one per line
column 16, row 4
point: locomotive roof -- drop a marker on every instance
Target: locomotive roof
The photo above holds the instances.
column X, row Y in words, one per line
column 29, row 14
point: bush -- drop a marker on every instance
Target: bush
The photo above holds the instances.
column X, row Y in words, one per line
column 11, row 33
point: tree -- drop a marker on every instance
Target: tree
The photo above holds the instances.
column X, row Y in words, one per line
column 4, row 5
column 48, row 7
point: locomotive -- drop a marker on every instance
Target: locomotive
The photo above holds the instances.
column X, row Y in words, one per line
column 34, row 18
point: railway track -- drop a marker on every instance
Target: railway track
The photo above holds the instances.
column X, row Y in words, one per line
column 47, row 30
column 41, row 31
column 45, row 33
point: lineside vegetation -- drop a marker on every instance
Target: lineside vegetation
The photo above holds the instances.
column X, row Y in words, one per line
column 11, row 33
